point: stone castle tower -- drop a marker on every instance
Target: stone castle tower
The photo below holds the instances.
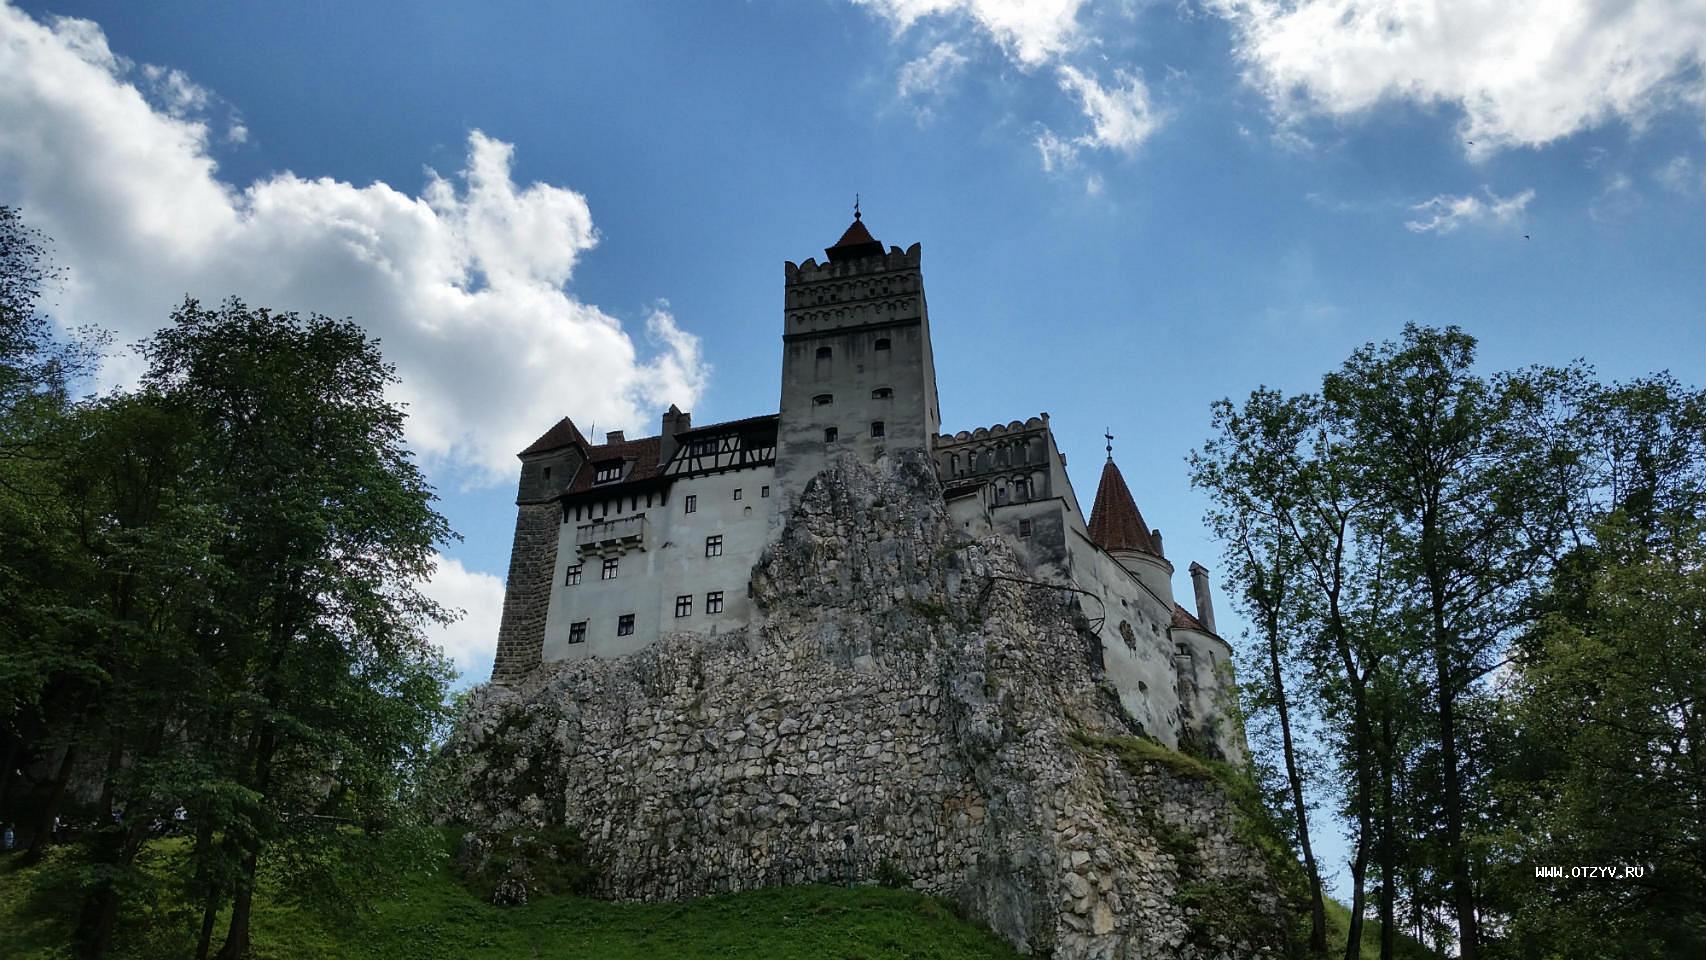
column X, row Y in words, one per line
column 622, row 542
column 857, row 372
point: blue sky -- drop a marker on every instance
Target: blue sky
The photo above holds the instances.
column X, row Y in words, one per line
column 1128, row 209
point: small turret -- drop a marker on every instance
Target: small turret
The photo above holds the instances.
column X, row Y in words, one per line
column 1117, row 526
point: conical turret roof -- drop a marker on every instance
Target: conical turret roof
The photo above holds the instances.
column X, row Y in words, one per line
column 1115, row 521
column 855, row 243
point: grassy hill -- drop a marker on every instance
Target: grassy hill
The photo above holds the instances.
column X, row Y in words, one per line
column 431, row 916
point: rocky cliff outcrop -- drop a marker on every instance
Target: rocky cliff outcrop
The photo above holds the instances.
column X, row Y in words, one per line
column 897, row 711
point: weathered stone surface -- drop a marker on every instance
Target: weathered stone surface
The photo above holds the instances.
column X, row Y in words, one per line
column 892, row 711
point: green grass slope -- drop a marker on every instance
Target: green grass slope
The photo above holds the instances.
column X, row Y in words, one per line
column 432, row 916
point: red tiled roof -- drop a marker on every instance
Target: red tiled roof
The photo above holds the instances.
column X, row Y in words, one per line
column 856, row 242
column 1186, row 620
column 1115, row 522
column 643, row 452
column 564, row 434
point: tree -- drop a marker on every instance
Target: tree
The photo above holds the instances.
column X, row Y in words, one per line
column 1604, row 768
column 332, row 689
column 1469, row 470
column 1251, row 468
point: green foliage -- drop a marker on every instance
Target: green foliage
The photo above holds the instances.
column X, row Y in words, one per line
column 431, row 916
column 889, row 874
column 211, row 584
column 553, row 859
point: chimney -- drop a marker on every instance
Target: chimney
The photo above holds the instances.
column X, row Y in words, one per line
column 614, row 436
column 674, row 422
column 1156, row 536
column 1205, row 604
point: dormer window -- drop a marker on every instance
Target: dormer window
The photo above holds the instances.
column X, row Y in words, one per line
column 823, row 399
column 609, row 473
column 702, row 448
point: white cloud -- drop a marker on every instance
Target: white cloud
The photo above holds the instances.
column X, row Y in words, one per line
column 1057, row 153
column 1618, row 202
column 1120, row 117
column 464, row 282
column 1031, row 32
column 471, row 640
column 927, row 75
column 1444, row 214
column 1681, row 174
column 1524, row 72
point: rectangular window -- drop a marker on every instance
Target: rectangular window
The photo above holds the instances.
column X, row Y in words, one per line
column 691, row 504
column 764, row 491
column 684, row 605
column 714, row 602
column 625, row 625
column 609, row 571
column 577, row 632
column 1024, row 528
column 876, row 428
column 714, row 545
column 574, row 576
column 737, row 493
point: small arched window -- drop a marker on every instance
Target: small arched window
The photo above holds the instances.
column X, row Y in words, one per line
column 882, row 343
column 823, row 399
column 882, row 393
column 823, row 353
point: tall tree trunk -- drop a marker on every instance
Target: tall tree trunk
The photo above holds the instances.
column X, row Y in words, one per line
column 1317, row 908
column 1359, row 869
column 1462, row 888
column 1387, row 898
column 242, row 902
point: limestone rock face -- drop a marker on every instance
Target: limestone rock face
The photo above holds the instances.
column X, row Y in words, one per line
column 895, row 711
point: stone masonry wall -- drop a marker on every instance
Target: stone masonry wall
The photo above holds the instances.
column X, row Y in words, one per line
column 891, row 712
column 532, row 564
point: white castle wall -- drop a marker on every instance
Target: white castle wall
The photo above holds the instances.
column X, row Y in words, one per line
column 670, row 561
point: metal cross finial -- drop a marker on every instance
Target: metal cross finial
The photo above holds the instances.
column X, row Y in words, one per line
column 1109, row 434
column 855, row 206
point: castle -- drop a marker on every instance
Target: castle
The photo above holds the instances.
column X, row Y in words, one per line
column 618, row 543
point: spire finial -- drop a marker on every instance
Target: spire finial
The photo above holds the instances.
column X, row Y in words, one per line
column 855, row 206
column 1108, row 432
